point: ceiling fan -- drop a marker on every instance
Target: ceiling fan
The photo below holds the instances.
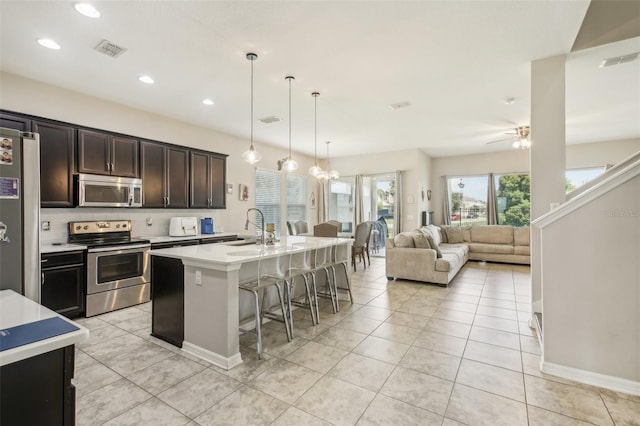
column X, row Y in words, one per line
column 520, row 137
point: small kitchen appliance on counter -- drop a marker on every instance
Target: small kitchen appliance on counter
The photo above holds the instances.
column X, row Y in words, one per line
column 183, row 226
column 206, row 225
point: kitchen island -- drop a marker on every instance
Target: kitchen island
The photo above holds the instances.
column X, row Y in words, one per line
column 36, row 363
column 209, row 288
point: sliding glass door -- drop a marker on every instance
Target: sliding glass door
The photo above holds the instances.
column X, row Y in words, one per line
column 378, row 200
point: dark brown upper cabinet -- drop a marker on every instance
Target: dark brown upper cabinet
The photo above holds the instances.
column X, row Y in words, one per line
column 57, row 163
column 15, row 122
column 165, row 175
column 104, row 154
column 208, row 180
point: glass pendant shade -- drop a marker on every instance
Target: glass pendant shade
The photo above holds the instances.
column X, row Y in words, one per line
column 323, row 175
column 290, row 165
column 315, row 170
column 334, row 174
column 251, row 156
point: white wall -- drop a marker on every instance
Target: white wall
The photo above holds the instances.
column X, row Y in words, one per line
column 416, row 165
column 591, row 315
column 35, row 98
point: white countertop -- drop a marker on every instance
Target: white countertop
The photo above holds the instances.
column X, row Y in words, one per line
column 16, row 310
column 58, row 247
column 165, row 239
column 222, row 254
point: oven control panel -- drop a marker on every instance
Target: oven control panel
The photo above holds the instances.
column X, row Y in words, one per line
column 99, row 227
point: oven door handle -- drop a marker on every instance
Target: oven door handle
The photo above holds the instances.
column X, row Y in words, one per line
column 118, row 248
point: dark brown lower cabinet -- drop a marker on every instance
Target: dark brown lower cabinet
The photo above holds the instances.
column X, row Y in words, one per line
column 38, row 390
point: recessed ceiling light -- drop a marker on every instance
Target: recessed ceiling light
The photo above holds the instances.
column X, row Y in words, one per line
column 87, row 10
column 48, row 43
column 146, row 79
column 510, row 101
column 207, row 101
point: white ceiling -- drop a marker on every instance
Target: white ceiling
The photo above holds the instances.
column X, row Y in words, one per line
column 454, row 61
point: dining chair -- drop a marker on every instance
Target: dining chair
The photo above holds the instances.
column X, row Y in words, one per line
column 336, row 223
column 302, row 227
column 325, row 229
column 359, row 247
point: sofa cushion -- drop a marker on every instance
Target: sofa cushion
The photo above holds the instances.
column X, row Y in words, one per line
column 521, row 236
column 492, row 234
column 491, row 248
column 420, row 240
column 466, row 234
column 454, row 234
column 522, row 250
column 443, row 234
column 434, row 231
column 404, row 240
column 459, row 250
column 443, row 265
column 434, row 246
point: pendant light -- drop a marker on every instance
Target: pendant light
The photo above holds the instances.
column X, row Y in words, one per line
column 290, row 164
column 251, row 156
column 328, row 174
column 315, row 169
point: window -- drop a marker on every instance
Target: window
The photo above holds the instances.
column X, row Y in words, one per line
column 341, row 196
column 578, row 177
column 468, row 200
column 268, row 197
column 296, row 198
column 512, row 199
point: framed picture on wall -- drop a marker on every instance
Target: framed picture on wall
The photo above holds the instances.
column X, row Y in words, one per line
column 244, row 192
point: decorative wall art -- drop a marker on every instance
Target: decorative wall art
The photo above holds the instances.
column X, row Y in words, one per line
column 244, row 192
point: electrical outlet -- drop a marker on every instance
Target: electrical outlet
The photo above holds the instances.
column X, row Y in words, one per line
column 46, row 225
column 149, row 221
column 198, row 277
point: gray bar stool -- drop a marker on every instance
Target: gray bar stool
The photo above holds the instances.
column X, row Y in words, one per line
column 271, row 274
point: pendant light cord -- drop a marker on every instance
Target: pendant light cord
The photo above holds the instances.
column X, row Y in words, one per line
column 290, row 78
column 315, row 128
column 252, row 103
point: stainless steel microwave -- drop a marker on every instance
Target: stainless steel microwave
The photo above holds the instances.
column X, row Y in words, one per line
column 108, row 191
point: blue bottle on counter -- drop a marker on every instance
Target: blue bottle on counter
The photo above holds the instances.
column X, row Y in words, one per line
column 206, row 225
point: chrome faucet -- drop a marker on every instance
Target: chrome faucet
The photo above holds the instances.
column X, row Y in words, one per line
column 246, row 225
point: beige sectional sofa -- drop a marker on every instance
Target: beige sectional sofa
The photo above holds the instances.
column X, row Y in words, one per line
column 436, row 254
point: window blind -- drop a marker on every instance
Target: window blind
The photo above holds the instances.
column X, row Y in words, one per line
column 296, row 197
column 268, row 197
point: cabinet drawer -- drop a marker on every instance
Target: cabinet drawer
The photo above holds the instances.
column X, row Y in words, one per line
column 65, row 258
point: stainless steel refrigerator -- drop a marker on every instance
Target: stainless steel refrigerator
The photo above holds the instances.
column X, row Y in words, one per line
column 20, row 212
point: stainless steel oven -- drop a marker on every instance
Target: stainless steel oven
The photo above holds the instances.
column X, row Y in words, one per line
column 118, row 270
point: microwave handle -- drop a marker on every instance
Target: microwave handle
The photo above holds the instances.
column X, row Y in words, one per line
column 130, row 198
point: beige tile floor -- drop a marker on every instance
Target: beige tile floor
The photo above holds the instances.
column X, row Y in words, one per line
column 405, row 354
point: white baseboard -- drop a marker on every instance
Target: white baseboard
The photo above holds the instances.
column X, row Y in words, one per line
column 214, row 358
column 590, row 378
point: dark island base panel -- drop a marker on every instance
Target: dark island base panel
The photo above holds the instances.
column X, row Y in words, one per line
column 38, row 390
column 167, row 276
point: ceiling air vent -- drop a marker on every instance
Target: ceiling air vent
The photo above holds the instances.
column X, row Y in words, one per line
column 619, row 60
column 399, row 105
column 269, row 120
column 110, row 49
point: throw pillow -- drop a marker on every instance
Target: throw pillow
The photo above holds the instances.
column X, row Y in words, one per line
column 466, row 234
column 403, row 239
column 420, row 240
column 434, row 246
column 454, row 234
column 443, row 233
